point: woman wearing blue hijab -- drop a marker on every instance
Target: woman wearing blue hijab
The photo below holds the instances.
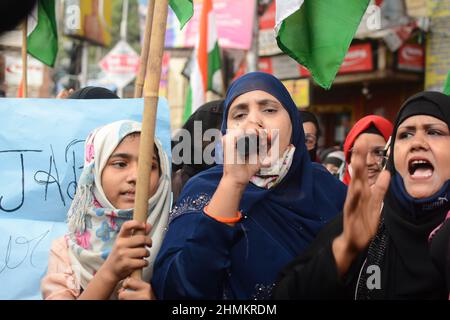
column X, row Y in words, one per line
column 233, row 228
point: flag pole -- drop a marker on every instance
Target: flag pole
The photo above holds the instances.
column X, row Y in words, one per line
column 145, row 48
column 151, row 88
column 24, row 58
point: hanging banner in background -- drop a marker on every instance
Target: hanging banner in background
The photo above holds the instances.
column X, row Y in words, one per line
column 282, row 67
column 267, row 43
column 299, row 91
column 437, row 55
column 359, row 58
column 41, row 158
column 416, row 8
column 234, row 21
column 121, row 64
column 411, row 57
column 13, row 70
column 88, row 20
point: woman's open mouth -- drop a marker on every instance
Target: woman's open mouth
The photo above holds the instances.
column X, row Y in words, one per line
column 420, row 168
column 129, row 195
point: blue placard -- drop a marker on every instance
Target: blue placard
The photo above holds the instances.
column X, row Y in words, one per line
column 41, row 157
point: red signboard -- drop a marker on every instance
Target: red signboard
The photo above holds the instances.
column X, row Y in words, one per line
column 411, row 57
column 265, row 65
column 267, row 20
column 359, row 58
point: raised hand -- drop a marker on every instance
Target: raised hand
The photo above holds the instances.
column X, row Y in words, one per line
column 237, row 171
column 239, row 168
column 362, row 210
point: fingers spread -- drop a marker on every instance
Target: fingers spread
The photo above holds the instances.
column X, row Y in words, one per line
column 380, row 188
column 358, row 163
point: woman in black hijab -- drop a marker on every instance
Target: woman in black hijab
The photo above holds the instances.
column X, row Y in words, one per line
column 13, row 13
column 209, row 116
column 378, row 248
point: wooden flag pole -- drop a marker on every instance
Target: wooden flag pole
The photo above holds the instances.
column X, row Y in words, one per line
column 151, row 88
column 145, row 49
column 24, row 59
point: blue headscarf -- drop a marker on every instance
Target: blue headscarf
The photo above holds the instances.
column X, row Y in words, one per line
column 307, row 197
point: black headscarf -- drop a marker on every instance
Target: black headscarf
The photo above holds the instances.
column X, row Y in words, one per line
column 428, row 103
column 13, row 13
column 372, row 130
column 400, row 247
column 210, row 115
column 93, row 93
column 307, row 116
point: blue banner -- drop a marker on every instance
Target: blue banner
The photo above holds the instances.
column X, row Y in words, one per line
column 41, row 158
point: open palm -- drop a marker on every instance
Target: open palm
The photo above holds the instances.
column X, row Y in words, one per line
column 363, row 204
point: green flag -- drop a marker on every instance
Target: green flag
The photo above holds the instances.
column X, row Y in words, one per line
column 447, row 85
column 183, row 10
column 42, row 36
column 318, row 33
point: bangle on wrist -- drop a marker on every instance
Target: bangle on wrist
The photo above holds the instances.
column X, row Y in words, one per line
column 222, row 219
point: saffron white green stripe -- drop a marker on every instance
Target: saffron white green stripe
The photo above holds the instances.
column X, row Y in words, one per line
column 206, row 66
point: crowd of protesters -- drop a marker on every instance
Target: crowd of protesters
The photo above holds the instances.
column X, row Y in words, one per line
column 280, row 221
column 369, row 220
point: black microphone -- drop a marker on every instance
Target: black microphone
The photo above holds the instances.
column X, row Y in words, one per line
column 247, row 145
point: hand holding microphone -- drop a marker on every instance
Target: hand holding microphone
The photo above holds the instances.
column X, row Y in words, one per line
column 247, row 145
column 246, row 152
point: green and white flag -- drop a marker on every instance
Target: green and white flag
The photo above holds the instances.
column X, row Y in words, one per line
column 205, row 63
column 42, row 34
column 318, row 33
column 183, row 9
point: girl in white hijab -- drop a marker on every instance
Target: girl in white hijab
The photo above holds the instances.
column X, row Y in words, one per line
column 99, row 250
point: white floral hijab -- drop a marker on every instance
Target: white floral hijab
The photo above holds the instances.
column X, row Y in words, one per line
column 93, row 221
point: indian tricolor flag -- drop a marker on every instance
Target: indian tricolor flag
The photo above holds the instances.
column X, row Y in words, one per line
column 206, row 62
column 318, row 33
